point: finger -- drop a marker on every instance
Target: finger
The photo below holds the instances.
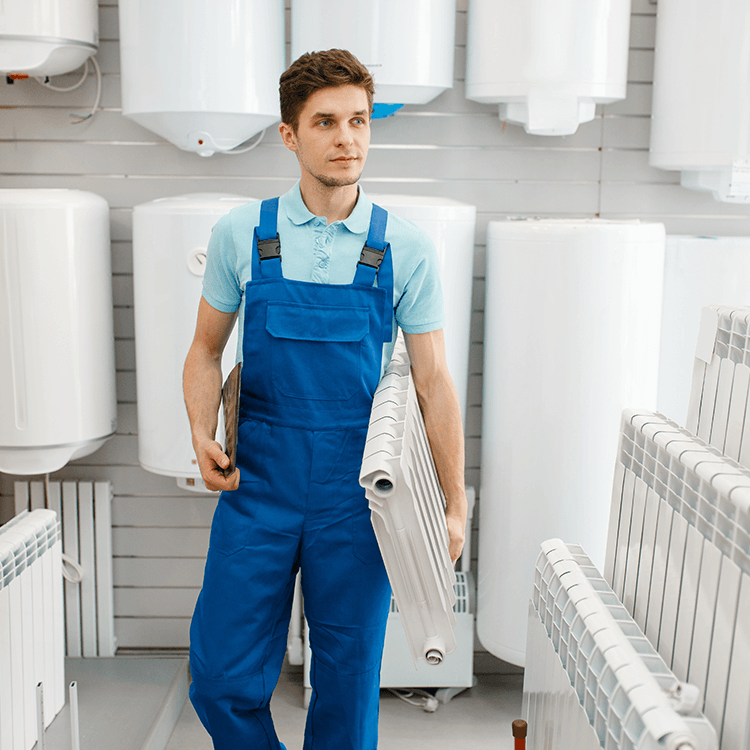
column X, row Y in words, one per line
column 219, row 483
column 217, row 455
column 234, row 479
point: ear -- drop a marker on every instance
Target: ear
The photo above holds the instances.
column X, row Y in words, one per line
column 287, row 136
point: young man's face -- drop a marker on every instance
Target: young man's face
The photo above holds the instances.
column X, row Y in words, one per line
column 333, row 135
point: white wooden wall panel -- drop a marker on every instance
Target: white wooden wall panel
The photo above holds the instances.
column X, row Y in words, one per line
column 451, row 147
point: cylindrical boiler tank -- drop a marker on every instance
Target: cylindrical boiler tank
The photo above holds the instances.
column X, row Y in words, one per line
column 547, row 62
column 57, row 352
column 451, row 226
column 571, row 338
column 700, row 117
column 170, row 239
column 47, row 37
column 204, row 79
column 698, row 271
column 407, row 45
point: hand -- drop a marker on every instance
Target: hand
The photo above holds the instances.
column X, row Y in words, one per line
column 212, row 461
column 456, row 534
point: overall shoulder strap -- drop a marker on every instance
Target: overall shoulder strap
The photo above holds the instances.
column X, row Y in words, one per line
column 266, row 245
column 375, row 261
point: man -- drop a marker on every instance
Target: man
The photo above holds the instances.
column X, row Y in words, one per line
column 317, row 324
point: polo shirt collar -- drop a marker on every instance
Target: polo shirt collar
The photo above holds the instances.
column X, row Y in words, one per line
column 298, row 213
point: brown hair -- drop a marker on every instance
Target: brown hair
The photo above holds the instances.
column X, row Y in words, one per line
column 320, row 70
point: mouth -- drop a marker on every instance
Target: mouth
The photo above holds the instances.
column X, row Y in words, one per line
column 344, row 159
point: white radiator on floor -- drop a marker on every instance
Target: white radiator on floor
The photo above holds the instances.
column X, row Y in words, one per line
column 408, row 513
column 678, row 556
column 85, row 509
column 32, row 647
column 592, row 679
column 719, row 408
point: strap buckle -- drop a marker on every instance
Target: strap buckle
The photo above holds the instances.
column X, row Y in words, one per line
column 268, row 249
column 371, row 257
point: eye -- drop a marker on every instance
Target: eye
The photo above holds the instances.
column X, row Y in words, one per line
column 324, row 123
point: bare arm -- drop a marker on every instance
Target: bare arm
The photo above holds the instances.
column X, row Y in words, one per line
column 442, row 416
column 201, row 383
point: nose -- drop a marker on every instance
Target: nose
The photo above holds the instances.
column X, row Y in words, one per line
column 344, row 135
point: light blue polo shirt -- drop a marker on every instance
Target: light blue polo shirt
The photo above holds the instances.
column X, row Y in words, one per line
column 312, row 250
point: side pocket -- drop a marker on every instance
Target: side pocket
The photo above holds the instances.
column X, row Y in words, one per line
column 233, row 520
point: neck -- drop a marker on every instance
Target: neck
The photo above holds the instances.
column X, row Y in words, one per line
column 335, row 203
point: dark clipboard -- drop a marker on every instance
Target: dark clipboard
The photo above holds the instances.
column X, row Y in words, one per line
column 230, row 398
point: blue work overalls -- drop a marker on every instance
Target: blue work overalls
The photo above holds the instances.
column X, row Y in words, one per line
column 311, row 362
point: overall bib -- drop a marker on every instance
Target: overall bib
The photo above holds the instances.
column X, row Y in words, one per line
column 311, row 362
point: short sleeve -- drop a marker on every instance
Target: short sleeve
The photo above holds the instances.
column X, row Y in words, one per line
column 221, row 283
column 420, row 307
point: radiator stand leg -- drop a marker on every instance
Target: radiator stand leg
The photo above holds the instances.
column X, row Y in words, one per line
column 75, row 737
column 41, row 744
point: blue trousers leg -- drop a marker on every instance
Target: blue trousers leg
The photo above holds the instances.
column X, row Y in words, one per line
column 347, row 597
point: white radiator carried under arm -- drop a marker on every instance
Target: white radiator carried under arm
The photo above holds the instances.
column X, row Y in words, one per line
column 408, row 513
column 592, row 679
column 32, row 644
column 678, row 556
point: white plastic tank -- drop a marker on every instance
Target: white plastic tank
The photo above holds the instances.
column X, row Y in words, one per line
column 547, row 62
column 407, row 45
column 170, row 240
column 202, row 76
column 698, row 271
column 451, row 226
column 700, row 117
column 47, row 37
column 571, row 338
column 57, row 352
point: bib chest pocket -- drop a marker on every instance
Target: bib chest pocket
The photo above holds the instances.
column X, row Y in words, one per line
column 316, row 350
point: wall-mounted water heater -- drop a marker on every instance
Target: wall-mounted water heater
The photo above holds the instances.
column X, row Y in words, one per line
column 451, row 226
column 407, row 45
column 57, row 351
column 700, row 117
column 571, row 338
column 202, row 76
column 47, row 37
column 170, row 239
column 547, row 62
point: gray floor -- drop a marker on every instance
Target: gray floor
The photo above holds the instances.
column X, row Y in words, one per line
column 478, row 718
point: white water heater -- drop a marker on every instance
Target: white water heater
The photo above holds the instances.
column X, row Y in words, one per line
column 57, row 351
column 407, row 45
column 170, row 240
column 451, row 226
column 571, row 338
column 547, row 62
column 203, row 76
column 47, row 37
column 698, row 271
column 700, row 117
